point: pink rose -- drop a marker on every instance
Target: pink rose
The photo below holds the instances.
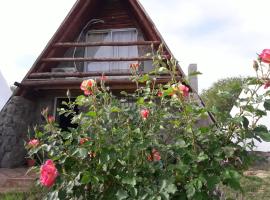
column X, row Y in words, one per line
column 87, row 92
column 103, row 77
column 84, row 140
column 92, row 154
column 134, row 66
column 145, row 113
column 159, row 94
column 155, row 156
column 266, row 85
column 48, row 173
column 184, row 90
column 87, row 85
column 33, row 143
column 265, row 55
column 51, row 119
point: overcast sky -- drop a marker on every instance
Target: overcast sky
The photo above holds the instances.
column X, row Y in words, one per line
column 221, row 36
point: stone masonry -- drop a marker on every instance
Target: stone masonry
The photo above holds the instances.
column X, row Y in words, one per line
column 15, row 119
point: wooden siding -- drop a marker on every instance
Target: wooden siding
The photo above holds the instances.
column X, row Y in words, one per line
column 115, row 15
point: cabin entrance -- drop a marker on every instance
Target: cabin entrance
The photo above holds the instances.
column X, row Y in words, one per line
column 63, row 120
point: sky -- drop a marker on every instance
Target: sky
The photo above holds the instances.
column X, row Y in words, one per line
column 5, row 91
column 221, row 36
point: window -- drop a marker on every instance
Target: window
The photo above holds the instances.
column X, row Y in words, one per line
column 117, row 35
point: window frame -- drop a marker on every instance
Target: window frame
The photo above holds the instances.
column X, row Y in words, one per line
column 110, row 31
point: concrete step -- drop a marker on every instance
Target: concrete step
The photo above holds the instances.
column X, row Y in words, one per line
column 19, row 182
column 16, row 180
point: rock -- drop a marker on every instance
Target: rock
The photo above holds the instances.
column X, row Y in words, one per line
column 15, row 119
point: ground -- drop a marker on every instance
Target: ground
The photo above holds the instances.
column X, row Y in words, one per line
column 255, row 183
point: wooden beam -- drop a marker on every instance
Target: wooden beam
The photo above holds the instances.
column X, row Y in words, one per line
column 73, row 82
column 93, row 44
column 75, row 74
column 82, row 74
column 95, row 59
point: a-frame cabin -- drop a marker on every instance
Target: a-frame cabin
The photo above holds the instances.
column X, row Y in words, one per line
column 97, row 37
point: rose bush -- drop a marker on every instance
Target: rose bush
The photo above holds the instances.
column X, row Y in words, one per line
column 158, row 147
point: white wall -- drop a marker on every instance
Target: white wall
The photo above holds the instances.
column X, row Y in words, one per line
column 5, row 91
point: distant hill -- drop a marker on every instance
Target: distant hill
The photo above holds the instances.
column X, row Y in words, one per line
column 5, row 91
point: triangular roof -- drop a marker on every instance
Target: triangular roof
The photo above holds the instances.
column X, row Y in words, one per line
column 82, row 11
column 5, row 91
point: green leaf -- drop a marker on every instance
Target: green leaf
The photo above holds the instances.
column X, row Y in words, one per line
column 168, row 92
column 245, row 122
column 212, row 181
column 181, row 143
column 129, row 181
column 39, row 134
column 121, row 194
column 162, row 69
column 115, row 109
column 194, row 73
column 53, row 195
column 232, row 178
column 122, row 162
column 262, row 132
column 190, row 190
column 229, row 151
column 260, row 112
column 82, row 152
column 140, row 101
column 165, row 195
column 91, row 114
column 266, row 104
column 171, row 189
column 86, row 178
column 163, row 185
column 265, row 136
column 134, row 191
column 202, row 157
column 144, row 78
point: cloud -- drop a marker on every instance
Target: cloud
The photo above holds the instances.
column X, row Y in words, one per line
column 222, row 37
column 26, row 27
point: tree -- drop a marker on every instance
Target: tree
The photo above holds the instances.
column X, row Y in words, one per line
column 221, row 96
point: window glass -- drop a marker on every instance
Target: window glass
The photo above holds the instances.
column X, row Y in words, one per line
column 98, row 52
column 128, row 35
column 124, row 51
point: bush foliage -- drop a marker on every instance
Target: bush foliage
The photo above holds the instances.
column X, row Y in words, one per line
column 222, row 96
column 150, row 144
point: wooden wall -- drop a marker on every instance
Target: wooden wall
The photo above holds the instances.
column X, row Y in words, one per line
column 115, row 14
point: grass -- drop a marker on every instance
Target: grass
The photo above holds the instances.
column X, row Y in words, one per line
column 13, row 196
column 35, row 194
column 255, row 184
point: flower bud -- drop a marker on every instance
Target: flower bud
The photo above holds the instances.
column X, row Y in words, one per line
column 255, row 65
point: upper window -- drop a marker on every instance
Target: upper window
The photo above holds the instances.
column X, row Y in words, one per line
column 117, row 35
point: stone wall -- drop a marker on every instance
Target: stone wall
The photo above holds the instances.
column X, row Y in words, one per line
column 15, row 119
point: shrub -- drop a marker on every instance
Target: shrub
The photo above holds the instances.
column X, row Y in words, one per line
column 222, row 95
column 153, row 148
